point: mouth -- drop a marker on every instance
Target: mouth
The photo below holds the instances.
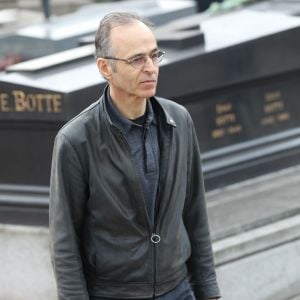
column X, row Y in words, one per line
column 149, row 81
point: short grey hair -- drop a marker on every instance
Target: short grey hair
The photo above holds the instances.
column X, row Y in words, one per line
column 103, row 46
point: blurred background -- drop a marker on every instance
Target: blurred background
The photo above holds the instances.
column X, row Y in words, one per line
column 234, row 64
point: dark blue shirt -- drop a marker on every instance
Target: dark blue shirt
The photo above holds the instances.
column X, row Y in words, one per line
column 141, row 135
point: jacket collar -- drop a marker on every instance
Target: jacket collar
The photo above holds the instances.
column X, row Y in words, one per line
column 123, row 123
column 169, row 120
column 166, row 115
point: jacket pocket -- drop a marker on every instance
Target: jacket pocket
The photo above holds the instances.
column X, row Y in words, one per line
column 173, row 253
column 122, row 259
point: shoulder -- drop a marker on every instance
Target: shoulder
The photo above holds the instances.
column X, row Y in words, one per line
column 77, row 127
column 175, row 110
column 170, row 105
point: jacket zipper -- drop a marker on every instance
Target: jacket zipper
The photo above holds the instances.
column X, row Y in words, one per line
column 155, row 238
column 154, row 271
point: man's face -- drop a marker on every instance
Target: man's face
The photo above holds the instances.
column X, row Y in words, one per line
column 127, row 42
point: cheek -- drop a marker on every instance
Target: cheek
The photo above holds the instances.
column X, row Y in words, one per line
column 124, row 80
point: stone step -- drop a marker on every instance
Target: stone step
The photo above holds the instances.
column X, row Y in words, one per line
column 254, row 203
column 295, row 298
column 256, row 240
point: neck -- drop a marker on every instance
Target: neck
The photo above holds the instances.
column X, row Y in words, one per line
column 130, row 107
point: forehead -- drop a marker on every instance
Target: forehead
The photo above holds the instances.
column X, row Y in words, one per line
column 132, row 39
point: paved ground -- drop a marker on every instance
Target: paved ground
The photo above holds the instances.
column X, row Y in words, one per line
column 295, row 298
column 255, row 226
column 254, row 203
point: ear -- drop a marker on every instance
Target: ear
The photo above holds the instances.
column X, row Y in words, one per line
column 104, row 67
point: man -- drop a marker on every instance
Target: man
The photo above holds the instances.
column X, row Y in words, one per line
column 127, row 211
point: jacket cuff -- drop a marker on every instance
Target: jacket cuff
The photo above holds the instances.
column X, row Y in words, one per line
column 206, row 292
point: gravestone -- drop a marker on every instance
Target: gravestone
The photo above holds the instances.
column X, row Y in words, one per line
column 64, row 32
column 241, row 88
column 236, row 73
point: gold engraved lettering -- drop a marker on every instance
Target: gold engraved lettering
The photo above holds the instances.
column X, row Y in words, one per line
column 218, row 133
column 268, row 120
column 4, row 106
column 20, row 104
column 273, row 107
column 48, row 102
column 225, row 119
column 282, row 117
column 39, row 102
column 31, row 102
column 57, row 103
column 223, row 108
column 273, row 96
column 42, row 103
column 234, row 129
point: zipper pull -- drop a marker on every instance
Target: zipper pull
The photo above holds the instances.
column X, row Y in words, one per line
column 155, row 238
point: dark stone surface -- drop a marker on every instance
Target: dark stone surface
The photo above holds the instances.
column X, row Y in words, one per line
column 26, row 150
column 246, row 112
column 242, row 97
column 62, row 33
column 242, row 94
column 24, row 204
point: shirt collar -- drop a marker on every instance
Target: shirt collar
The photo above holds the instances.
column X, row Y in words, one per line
column 123, row 123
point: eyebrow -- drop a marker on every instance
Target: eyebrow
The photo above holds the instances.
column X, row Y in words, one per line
column 141, row 54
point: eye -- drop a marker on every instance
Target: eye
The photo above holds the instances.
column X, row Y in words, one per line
column 137, row 61
column 155, row 55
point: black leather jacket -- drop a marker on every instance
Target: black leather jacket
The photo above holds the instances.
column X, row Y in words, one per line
column 102, row 241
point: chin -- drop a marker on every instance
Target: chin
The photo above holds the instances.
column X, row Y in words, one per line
column 149, row 93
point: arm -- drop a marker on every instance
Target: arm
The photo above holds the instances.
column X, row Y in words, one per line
column 200, row 264
column 68, row 194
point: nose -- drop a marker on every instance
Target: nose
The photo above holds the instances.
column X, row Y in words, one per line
column 149, row 66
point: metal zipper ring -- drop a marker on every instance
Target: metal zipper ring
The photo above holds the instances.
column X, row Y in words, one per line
column 155, row 238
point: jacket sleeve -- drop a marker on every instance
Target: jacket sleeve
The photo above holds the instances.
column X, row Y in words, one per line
column 68, row 194
column 200, row 264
